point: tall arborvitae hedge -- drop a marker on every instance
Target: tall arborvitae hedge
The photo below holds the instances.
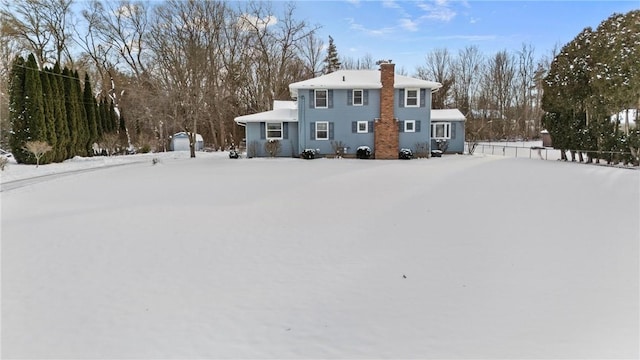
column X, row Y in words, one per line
column 49, row 117
column 54, row 106
column 60, row 110
column 81, row 116
column 89, row 103
column 19, row 134
column 71, row 103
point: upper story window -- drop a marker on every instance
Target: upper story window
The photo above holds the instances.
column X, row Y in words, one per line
column 322, row 99
column 358, row 97
column 441, row 130
column 322, row 130
column 274, row 131
column 412, row 98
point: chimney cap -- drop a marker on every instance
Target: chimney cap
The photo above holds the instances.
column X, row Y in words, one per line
column 380, row 62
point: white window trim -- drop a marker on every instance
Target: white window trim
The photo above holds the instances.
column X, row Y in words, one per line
column 366, row 127
column 315, row 98
column 406, row 97
column 322, row 122
column 447, row 130
column 266, row 130
column 353, row 97
column 413, row 128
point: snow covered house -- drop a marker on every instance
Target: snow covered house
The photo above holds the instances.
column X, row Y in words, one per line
column 379, row 109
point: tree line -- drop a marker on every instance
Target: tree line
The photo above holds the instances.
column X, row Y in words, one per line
column 53, row 106
column 196, row 65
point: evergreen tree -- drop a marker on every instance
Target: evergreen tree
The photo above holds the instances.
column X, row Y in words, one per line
column 34, row 105
column 83, row 126
column 19, row 134
column 331, row 61
column 104, row 123
column 49, row 105
column 89, row 103
column 60, row 114
column 567, row 92
column 616, row 54
column 70, row 100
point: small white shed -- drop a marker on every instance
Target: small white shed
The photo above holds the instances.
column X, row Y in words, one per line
column 180, row 142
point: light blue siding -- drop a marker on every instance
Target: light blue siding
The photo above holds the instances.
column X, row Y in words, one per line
column 342, row 117
column 456, row 142
column 341, row 114
column 256, row 139
column 421, row 115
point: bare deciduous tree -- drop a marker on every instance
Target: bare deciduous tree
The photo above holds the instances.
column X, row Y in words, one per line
column 41, row 26
column 38, row 149
column 438, row 68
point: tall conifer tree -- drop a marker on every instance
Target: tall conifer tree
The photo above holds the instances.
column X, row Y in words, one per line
column 49, row 117
column 60, row 114
column 34, row 105
column 89, row 103
column 70, row 100
column 331, row 61
column 83, row 127
column 17, row 112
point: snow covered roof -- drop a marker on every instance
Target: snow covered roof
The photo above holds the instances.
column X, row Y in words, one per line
column 184, row 134
column 447, row 115
column 359, row 79
column 282, row 111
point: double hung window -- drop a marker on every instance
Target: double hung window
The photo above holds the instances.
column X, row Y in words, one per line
column 322, row 130
column 322, row 99
column 412, row 98
column 274, row 131
column 358, row 98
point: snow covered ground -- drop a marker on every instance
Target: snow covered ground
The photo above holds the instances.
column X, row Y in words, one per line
column 454, row 257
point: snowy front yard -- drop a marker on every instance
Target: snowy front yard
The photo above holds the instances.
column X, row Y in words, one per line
column 456, row 257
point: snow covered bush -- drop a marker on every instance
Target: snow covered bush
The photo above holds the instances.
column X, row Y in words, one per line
column 309, row 154
column 3, row 162
column 363, row 152
column 443, row 144
column 405, row 154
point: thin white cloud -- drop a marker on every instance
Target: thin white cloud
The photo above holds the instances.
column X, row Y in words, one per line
column 438, row 10
column 354, row 2
column 353, row 25
column 391, row 4
column 248, row 22
column 408, row 24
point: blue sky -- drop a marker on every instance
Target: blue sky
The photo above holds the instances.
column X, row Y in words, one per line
column 405, row 31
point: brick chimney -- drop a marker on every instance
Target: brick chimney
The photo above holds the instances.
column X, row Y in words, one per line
column 386, row 128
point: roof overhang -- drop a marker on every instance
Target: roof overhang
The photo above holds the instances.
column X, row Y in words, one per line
column 447, row 115
column 277, row 115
